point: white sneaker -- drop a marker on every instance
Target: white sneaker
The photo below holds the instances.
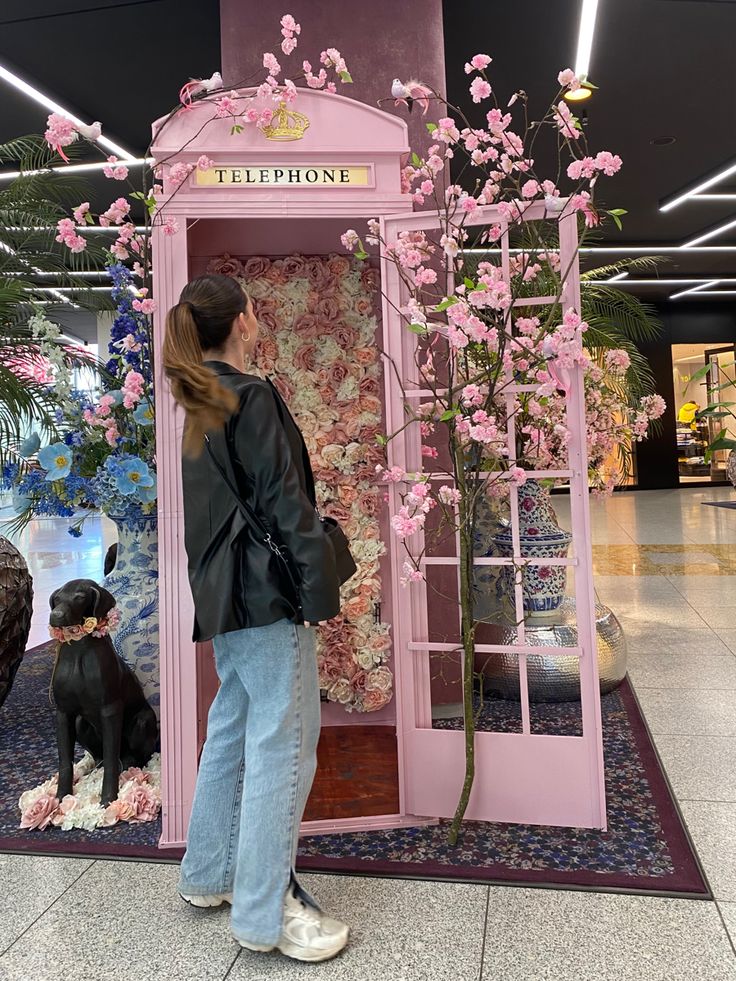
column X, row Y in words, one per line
column 205, row 902
column 308, row 934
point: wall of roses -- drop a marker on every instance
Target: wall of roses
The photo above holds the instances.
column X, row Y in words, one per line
column 318, row 318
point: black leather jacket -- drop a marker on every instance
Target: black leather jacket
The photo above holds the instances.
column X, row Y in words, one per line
column 236, row 579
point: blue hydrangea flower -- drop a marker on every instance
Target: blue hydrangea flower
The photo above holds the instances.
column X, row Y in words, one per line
column 30, row 445
column 56, row 460
column 143, row 415
column 133, row 475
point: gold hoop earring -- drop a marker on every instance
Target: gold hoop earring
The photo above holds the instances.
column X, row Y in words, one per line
column 245, row 340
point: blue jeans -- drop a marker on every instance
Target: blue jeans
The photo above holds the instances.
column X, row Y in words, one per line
column 255, row 775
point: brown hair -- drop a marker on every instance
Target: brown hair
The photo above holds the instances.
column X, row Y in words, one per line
column 201, row 321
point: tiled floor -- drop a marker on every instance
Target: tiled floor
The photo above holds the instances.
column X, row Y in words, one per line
column 667, row 566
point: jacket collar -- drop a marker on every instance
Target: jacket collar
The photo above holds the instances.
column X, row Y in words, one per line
column 222, row 368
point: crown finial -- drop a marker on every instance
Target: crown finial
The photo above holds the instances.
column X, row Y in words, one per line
column 286, row 125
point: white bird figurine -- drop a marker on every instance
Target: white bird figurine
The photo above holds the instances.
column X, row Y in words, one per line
column 196, row 85
column 92, row 132
column 411, row 92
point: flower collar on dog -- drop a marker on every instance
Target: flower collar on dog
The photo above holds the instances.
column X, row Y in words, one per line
column 91, row 625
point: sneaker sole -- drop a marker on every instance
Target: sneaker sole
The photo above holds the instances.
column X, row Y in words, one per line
column 313, row 956
column 192, row 901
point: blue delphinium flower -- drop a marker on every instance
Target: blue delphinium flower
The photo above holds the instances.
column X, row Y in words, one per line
column 56, row 460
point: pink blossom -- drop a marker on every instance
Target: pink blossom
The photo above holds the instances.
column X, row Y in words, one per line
column 80, row 212
column 350, row 239
column 119, row 251
column 391, row 476
column 518, row 475
column 170, row 225
column 477, row 63
column 129, row 343
column 178, row 173
column 112, row 434
column 471, row 395
column 289, row 25
column 654, row 406
column 448, row 495
column 468, row 205
column 271, row 64
column 530, row 188
column 426, row 187
column 447, row 131
column 480, row 89
column 617, row 360
column 424, row 276
column 205, row 162
column 331, row 58
column 114, row 170
column 581, row 168
column 410, row 574
column 569, row 80
column 117, row 211
column 566, row 122
column 288, row 45
column 68, row 235
column 60, row 132
column 290, row 91
column 144, row 306
column 608, row 162
column 224, row 107
column 430, row 452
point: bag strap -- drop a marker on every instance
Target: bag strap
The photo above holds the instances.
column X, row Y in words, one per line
column 255, row 523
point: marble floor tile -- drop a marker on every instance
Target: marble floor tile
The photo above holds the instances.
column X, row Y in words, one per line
column 124, row 920
column 689, row 712
column 546, row 935
column 29, row 884
column 700, row 767
column 707, row 590
column 401, row 931
column 712, row 826
column 643, row 637
column 716, row 616
column 728, row 637
column 689, row 670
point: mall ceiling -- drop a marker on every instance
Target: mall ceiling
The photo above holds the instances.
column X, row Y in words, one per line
column 666, row 100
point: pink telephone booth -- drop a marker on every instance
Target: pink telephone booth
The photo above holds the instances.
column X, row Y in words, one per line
column 327, row 165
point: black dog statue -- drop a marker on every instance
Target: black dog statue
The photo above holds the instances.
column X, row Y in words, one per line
column 99, row 700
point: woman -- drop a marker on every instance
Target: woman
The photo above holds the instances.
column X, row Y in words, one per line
column 243, row 453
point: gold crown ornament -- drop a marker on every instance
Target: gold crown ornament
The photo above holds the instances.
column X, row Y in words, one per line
column 286, row 125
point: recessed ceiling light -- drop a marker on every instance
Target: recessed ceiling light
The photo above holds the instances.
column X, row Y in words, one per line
column 664, row 140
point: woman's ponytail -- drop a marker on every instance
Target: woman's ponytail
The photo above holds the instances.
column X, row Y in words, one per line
column 206, row 402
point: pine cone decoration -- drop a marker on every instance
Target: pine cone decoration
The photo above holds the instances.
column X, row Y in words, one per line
column 16, row 608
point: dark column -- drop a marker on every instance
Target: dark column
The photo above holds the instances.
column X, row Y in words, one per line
column 379, row 40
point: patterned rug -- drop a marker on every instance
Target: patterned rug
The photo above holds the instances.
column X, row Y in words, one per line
column 645, row 848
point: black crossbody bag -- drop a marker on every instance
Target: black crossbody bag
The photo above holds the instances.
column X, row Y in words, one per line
column 344, row 561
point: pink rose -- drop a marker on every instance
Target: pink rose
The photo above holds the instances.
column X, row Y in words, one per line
column 276, row 274
column 375, row 700
column 143, row 801
column 336, row 511
column 358, row 681
column 267, row 348
column 118, row 810
column 305, row 357
column 345, row 336
column 308, row 325
column 379, row 642
column 369, row 386
column 365, row 356
column 319, row 276
column 353, row 528
column 328, row 310
column 338, row 265
column 255, row 267
column 225, row 265
column 380, row 679
column 295, row 266
column 135, row 773
column 40, row 813
column 364, row 306
column 267, row 365
column 356, row 607
column 285, row 387
column 369, row 504
column 339, row 371
column 370, row 277
column 347, row 495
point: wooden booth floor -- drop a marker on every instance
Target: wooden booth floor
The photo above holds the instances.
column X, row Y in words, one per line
column 357, row 773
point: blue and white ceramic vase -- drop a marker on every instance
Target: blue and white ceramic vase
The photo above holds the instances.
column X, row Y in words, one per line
column 134, row 584
column 539, row 537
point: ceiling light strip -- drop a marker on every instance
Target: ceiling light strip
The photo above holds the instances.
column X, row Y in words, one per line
column 586, row 31
column 47, row 103
column 702, row 186
column 718, row 230
column 695, row 289
column 10, row 175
